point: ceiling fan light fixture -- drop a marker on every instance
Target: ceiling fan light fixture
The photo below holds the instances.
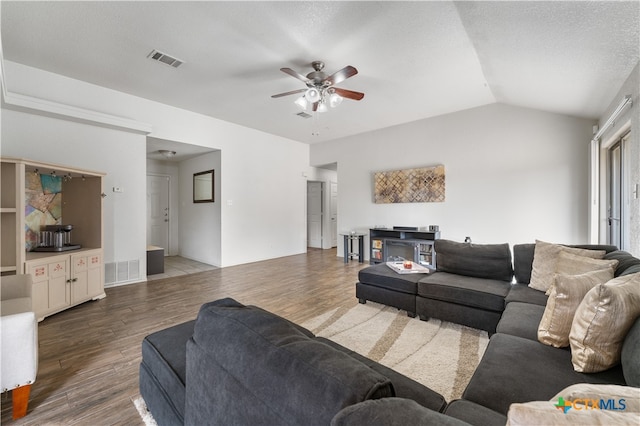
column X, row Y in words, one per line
column 167, row 153
column 334, row 100
column 322, row 107
column 302, row 103
column 312, row 95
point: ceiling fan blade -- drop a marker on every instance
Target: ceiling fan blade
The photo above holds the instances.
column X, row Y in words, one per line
column 293, row 92
column 314, row 106
column 356, row 96
column 295, row 74
column 342, row 75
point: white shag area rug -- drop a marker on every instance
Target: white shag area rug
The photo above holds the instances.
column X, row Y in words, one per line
column 438, row 354
column 145, row 414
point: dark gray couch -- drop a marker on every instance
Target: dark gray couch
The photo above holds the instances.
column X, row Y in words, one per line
column 241, row 365
column 515, row 366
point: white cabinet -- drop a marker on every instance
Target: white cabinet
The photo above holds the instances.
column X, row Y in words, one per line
column 62, row 281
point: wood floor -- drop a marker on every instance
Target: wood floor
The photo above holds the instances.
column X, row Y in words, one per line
column 89, row 355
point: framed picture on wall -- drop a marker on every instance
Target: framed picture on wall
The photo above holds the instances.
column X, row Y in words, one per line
column 203, row 187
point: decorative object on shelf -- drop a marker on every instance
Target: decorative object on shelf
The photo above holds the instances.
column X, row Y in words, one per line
column 320, row 91
column 423, row 185
column 43, row 205
column 203, row 187
column 434, row 228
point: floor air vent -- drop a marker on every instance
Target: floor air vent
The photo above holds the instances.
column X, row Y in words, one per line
column 164, row 58
column 116, row 273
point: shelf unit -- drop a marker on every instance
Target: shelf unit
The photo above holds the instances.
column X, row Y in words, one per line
column 411, row 244
column 61, row 279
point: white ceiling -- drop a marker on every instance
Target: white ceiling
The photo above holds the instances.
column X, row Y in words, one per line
column 415, row 59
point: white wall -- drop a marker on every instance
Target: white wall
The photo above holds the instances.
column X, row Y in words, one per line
column 629, row 119
column 512, row 175
column 263, row 176
column 120, row 154
column 200, row 223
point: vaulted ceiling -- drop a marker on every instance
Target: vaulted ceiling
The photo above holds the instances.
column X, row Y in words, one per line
column 415, row 59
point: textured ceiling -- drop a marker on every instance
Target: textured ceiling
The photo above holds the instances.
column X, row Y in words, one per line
column 415, row 59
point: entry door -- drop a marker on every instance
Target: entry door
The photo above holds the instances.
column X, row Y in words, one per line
column 158, row 211
column 334, row 214
column 314, row 214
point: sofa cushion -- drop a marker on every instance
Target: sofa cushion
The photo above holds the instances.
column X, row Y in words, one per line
column 474, row 414
column 521, row 319
column 565, row 296
column 525, row 294
column 403, row 386
column 515, row 369
column 602, row 321
column 571, row 264
column 383, row 276
column 164, row 360
column 630, row 357
column 625, row 262
column 267, row 371
column 523, row 258
column 464, row 290
column 492, row 261
column 391, row 411
column 545, row 262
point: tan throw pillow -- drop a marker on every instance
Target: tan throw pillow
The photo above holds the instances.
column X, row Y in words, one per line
column 538, row 413
column 576, row 404
column 601, row 323
column 564, row 298
column 545, row 260
column 629, row 394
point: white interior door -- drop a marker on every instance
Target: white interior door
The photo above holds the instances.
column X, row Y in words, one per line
column 314, row 214
column 158, row 211
column 334, row 214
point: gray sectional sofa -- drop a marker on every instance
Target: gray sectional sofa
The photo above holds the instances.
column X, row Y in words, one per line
column 242, row 365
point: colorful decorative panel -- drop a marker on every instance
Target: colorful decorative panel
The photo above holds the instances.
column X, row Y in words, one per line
column 423, row 185
column 43, row 195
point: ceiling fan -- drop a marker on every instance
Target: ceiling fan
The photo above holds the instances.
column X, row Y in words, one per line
column 320, row 90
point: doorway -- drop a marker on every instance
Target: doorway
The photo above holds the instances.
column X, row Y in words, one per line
column 315, row 191
column 158, row 187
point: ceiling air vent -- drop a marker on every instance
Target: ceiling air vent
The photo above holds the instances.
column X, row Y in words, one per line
column 303, row 114
column 164, row 58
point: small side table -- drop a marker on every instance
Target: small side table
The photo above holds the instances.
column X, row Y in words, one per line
column 348, row 246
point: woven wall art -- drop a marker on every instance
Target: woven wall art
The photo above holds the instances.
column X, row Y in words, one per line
column 423, row 185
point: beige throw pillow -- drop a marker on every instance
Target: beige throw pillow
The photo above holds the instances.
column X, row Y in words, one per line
column 630, row 394
column 565, row 296
column 601, row 323
column 537, row 413
column 571, row 409
column 545, row 260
